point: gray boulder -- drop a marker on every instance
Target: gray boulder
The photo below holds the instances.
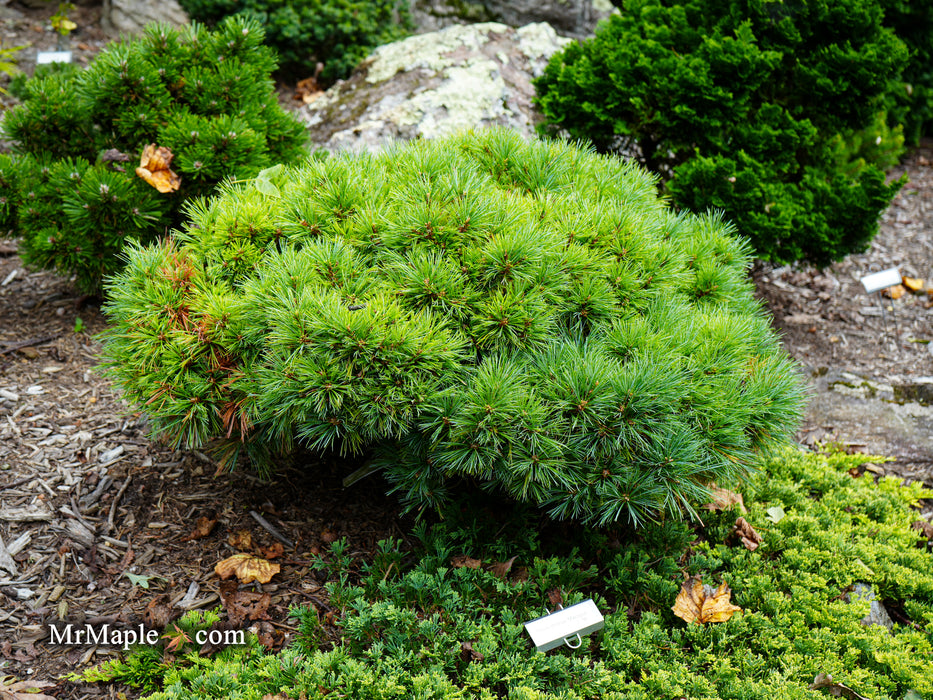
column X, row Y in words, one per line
column 575, row 18
column 433, row 85
column 130, row 16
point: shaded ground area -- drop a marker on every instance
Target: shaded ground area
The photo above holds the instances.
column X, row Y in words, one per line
column 871, row 371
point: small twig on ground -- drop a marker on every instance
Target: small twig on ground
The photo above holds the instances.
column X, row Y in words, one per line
column 271, row 530
column 18, row 482
column 31, row 343
column 116, row 502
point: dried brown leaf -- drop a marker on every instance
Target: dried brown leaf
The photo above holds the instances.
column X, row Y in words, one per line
column 328, row 536
column 155, row 168
column 723, row 499
column 158, row 613
column 11, row 689
column 925, row 528
column 468, row 653
column 912, row 284
column 273, row 551
column 699, row 603
column 202, row 529
column 502, row 568
column 747, row 535
column 462, row 561
column 824, row 680
column 241, row 539
column 895, row 292
column 243, row 605
column 247, row 568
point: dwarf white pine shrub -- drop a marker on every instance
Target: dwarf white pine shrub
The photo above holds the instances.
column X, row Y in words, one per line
column 528, row 316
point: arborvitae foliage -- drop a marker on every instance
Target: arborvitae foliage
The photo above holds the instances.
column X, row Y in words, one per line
column 528, row 316
column 206, row 96
column 911, row 101
column 737, row 103
column 338, row 34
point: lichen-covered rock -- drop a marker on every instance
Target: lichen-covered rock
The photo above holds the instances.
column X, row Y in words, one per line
column 576, row 18
column 434, row 85
column 131, row 16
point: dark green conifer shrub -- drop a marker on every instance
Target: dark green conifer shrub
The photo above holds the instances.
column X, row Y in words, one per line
column 71, row 191
column 737, row 104
column 527, row 316
column 336, row 33
column 911, row 100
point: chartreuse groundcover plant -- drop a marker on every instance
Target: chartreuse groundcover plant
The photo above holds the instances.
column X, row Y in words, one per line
column 526, row 316
column 419, row 627
column 739, row 105
column 70, row 190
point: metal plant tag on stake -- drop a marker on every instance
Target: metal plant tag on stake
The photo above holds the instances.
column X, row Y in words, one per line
column 565, row 626
column 878, row 281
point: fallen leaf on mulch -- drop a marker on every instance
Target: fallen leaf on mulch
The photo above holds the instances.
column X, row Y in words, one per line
column 912, row 284
column 241, row 539
column 273, row 551
column 247, row 568
column 699, row 603
column 157, row 614
column 23, row 656
column 747, row 535
column 824, row 680
column 202, row 529
column 155, row 168
column 243, row 605
column 462, row 561
column 11, row 689
column 328, row 536
column 722, row 499
column 895, row 292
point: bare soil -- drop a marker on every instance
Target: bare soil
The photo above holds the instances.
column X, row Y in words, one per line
column 86, row 498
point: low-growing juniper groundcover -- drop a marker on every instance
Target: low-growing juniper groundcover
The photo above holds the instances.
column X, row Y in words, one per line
column 528, row 316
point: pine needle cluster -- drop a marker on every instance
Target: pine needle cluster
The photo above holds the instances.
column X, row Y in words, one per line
column 70, row 190
column 527, row 316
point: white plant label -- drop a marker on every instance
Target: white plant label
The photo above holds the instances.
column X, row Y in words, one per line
column 881, row 280
column 558, row 627
column 53, row 57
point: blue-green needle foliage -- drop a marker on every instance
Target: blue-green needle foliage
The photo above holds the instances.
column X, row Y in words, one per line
column 738, row 105
column 71, row 192
column 420, row 627
column 527, row 316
